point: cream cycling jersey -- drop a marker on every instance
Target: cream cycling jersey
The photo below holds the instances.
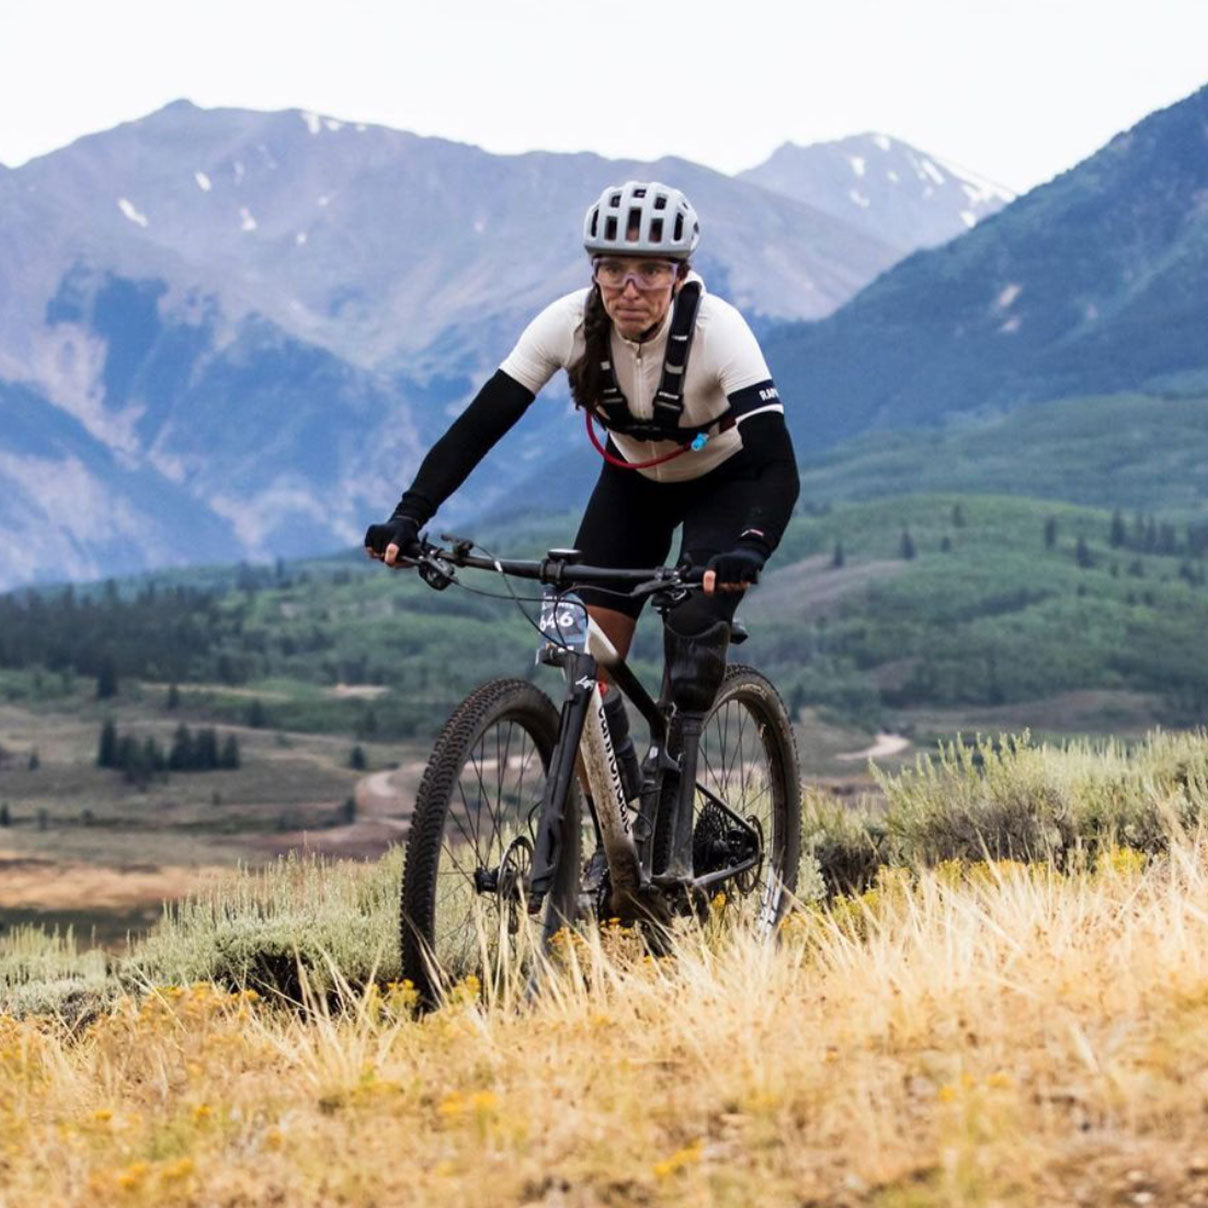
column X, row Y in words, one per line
column 725, row 359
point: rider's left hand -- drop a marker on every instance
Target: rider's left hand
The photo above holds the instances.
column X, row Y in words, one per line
column 736, row 569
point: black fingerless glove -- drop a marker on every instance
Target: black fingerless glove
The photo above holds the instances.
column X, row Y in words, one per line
column 743, row 563
column 399, row 530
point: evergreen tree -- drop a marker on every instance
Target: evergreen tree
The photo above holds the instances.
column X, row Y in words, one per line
column 153, row 756
column 181, row 755
column 229, row 756
column 106, row 754
column 958, row 516
column 906, row 545
column 837, row 558
column 132, row 760
column 1118, row 534
column 173, row 696
column 1137, row 540
column 946, row 545
column 34, row 762
column 356, row 758
column 1050, row 532
column 1082, row 554
column 6, row 818
column 205, row 750
column 256, row 717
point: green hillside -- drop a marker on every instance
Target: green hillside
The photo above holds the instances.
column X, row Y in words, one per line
column 1132, row 451
column 984, row 612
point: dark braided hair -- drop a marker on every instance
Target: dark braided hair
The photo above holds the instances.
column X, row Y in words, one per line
column 586, row 380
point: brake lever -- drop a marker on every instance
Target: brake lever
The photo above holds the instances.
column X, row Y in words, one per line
column 437, row 574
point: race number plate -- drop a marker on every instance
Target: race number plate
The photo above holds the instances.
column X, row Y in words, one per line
column 564, row 621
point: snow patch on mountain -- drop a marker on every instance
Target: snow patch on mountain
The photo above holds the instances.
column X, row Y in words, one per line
column 128, row 208
column 1008, row 295
column 203, row 181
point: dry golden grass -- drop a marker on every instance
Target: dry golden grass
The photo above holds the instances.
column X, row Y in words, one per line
column 986, row 1034
column 62, row 884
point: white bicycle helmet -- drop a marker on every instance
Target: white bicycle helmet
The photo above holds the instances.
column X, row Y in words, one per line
column 642, row 218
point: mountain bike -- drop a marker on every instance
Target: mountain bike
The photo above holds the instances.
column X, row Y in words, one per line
column 523, row 818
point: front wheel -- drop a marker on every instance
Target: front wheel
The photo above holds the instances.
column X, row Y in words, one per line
column 748, row 759
column 469, row 854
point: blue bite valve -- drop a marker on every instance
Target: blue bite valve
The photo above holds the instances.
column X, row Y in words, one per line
column 699, row 441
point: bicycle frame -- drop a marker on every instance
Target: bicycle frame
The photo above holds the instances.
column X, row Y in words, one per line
column 584, row 742
column 584, row 734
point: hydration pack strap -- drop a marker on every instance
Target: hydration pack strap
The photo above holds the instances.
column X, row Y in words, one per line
column 669, row 397
column 664, row 424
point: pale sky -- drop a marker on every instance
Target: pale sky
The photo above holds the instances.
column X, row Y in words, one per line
column 1016, row 90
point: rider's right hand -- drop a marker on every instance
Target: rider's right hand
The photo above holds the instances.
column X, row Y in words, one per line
column 398, row 537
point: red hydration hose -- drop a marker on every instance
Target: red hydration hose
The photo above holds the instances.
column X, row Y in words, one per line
column 629, row 465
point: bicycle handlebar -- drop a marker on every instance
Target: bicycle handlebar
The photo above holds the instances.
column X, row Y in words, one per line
column 435, row 562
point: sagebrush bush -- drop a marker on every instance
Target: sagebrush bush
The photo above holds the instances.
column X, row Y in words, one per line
column 848, row 844
column 1011, row 799
column 255, row 929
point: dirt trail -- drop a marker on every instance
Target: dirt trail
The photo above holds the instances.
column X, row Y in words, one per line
column 884, row 746
column 384, row 801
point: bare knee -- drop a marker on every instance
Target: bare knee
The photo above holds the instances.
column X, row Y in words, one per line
column 618, row 627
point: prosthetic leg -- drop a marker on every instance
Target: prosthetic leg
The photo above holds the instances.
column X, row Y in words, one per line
column 696, row 663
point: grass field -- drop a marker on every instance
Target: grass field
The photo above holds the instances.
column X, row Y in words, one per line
column 962, row 1032
column 987, row 1036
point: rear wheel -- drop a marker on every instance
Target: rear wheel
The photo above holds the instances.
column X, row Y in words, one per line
column 465, row 891
column 748, row 759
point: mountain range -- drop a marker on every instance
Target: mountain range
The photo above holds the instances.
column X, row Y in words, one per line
column 1092, row 284
column 229, row 333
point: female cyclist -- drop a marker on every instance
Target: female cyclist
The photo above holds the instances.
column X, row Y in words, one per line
column 696, row 432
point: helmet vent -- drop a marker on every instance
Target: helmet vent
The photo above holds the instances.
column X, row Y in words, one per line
column 640, row 218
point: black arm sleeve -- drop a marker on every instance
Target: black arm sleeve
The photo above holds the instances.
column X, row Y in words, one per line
column 495, row 409
column 767, row 453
